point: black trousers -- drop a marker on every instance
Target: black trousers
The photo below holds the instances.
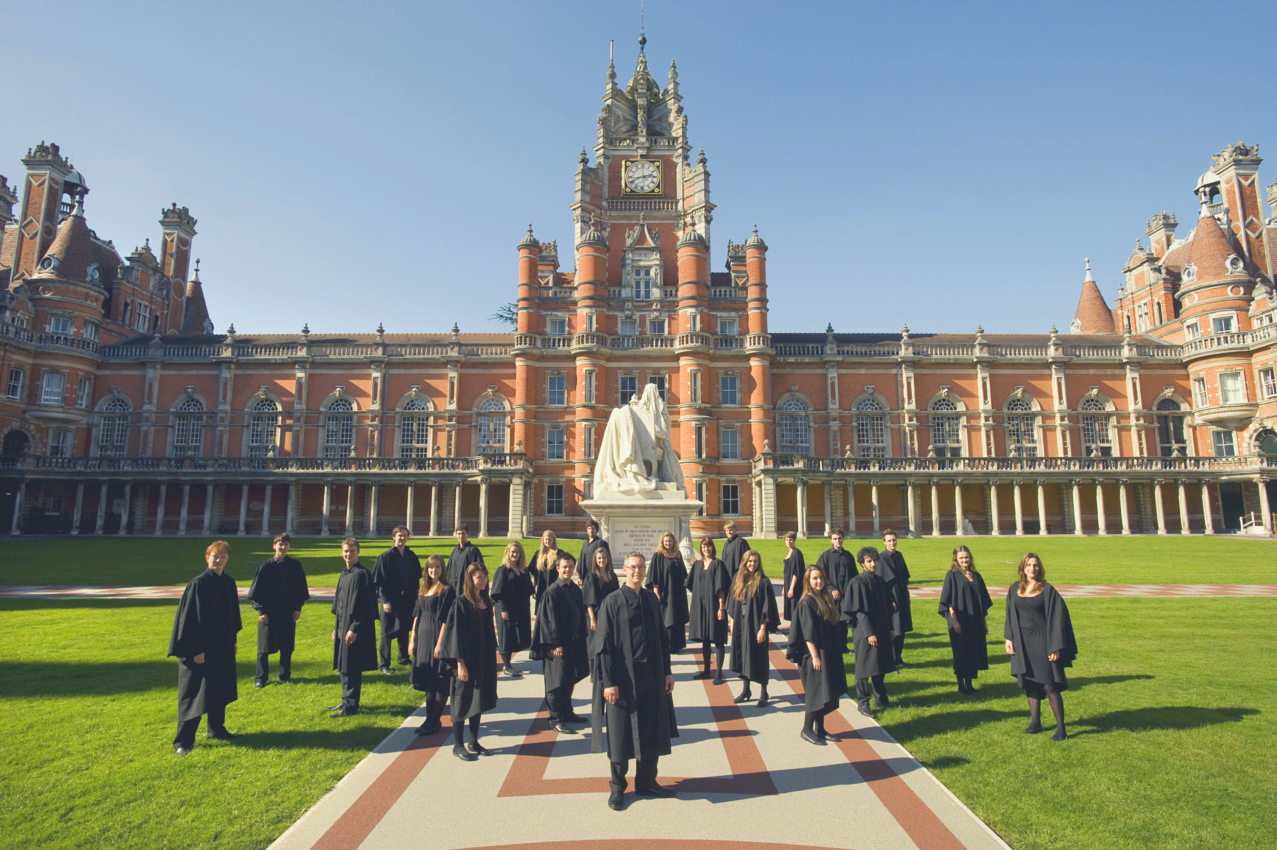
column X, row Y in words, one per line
column 648, row 680
column 558, row 701
column 186, row 729
column 879, row 689
column 387, row 627
column 351, row 684
column 898, row 644
column 644, row 773
column 285, row 665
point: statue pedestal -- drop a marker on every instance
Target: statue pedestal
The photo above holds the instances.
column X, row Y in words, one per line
column 635, row 523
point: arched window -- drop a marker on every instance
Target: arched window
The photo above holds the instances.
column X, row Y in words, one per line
column 493, row 418
column 1170, row 427
column 794, row 422
column 113, row 429
column 414, row 429
column 1266, row 442
column 871, row 429
column 339, row 428
column 946, row 428
column 263, row 427
column 1022, row 431
column 1096, row 437
column 188, row 429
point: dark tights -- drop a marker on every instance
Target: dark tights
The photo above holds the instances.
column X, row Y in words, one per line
column 814, row 721
column 1056, row 701
column 460, row 728
column 718, row 656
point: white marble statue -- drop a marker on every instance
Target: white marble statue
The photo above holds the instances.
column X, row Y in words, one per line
column 636, row 454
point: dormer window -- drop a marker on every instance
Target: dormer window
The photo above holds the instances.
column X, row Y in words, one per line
column 642, row 274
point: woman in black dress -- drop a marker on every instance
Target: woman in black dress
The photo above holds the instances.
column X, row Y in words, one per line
column 752, row 607
column 816, row 645
column 469, row 642
column 667, row 578
column 545, row 563
column 964, row 602
column 512, row 600
column 599, row 582
column 429, row 675
column 792, row 581
column 709, row 583
column 1039, row 639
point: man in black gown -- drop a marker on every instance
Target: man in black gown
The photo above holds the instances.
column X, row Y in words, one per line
column 354, row 644
column 558, row 639
column 633, row 685
column 867, row 607
column 734, row 548
column 463, row 555
column 277, row 594
column 839, row 565
column 592, row 541
column 396, row 574
column 204, row 642
column 895, row 572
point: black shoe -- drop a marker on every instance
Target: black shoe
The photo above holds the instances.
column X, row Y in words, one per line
column 285, row 677
column 812, row 738
column 882, row 703
column 575, row 718
column 718, row 679
column 344, row 712
column 828, row 737
column 260, row 683
column 703, row 674
column 1059, row 735
column 900, row 662
column 513, row 672
column 336, row 707
column 181, row 750
column 762, row 700
column 404, row 661
column 744, row 695
column 655, row 790
column 478, row 749
column 1032, row 729
column 864, row 709
column 463, row 754
column 616, row 800
column 429, row 727
column 387, row 671
column 561, row 727
column 222, row 734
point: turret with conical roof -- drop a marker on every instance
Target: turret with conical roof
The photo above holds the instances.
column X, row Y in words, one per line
column 1093, row 315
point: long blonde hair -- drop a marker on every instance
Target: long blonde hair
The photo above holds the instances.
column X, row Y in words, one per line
column 672, row 552
column 746, row 583
column 551, row 552
column 824, row 599
column 521, row 563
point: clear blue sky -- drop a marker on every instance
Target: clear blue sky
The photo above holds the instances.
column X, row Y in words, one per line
column 941, row 164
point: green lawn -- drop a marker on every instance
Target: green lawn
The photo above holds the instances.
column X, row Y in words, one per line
column 1170, row 711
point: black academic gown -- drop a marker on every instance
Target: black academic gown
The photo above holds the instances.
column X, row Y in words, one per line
column 867, row 607
column 795, row 566
column 970, row 602
column 1058, row 638
column 392, row 576
column 733, row 551
column 544, row 572
column 355, row 610
column 824, row 687
column 429, row 674
column 278, row 590
column 706, row 586
column 643, row 721
column 593, row 591
column 462, row 557
column 585, row 563
column 470, row 637
column 895, row 572
column 670, row 575
column 561, row 622
column 207, row 622
column 749, row 657
column 512, row 596
column 839, row 566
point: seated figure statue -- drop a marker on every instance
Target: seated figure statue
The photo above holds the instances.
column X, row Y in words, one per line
column 636, row 454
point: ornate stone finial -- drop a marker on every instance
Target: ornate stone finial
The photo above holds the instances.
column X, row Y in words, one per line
column 673, row 76
column 195, row 278
column 305, row 329
column 78, row 209
column 829, row 329
column 1088, row 266
column 904, row 331
column 642, row 42
column 381, row 332
column 455, row 330
column 584, row 158
column 1054, row 332
column 701, row 160
column 230, row 332
column 529, row 241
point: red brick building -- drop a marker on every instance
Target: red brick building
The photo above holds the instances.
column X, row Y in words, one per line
column 123, row 412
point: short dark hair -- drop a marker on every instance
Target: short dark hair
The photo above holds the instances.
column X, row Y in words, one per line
column 867, row 552
column 351, row 541
column 282, row 537
column 462, row 527
column 399, row 528
column 888, row 531
column 565, row 555
column 837, row 531
column 592, row 524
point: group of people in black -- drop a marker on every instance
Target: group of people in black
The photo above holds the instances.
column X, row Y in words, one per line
column 452, row 623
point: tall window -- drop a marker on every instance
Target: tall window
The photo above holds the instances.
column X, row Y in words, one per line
column 1170, row 427
column 729, row 443
column 587, row 441
column 626, row 388
column 339, row 428
column 1232, row 389
column 1268, row 383
column 795, row 426
column 700, row 442
column 643, row 283
column 1022, row 432
column 142, row 318
column 1096, row 438
column 871, row 428
column 1224, row 444
column 14, row 388
column 83, row 390
column 946, row 428
column 60, row 443
column 556, row 389
column 54, row 387
column 263, row 427
column 1200, row 399
column 659, row 381
column 188, row 429
column 728, row 390
column 731, row 499
column 414, row 429
column 554, row 499
column 555, row 444
column 113, row 429
column 694, row 386
column 492, row 426
column 588, row 389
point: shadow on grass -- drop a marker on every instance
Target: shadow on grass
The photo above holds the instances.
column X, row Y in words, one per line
column 1171, row 717
column 939, row 724
column 944, row 762
column 72, row 679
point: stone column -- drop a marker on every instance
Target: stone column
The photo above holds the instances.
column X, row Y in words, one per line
column 15, row 522
column 1183, row 508
column 128, row 506
column 829, row 508
column 412, row 504
column 101, row 508
column 851, row 508
column 1042, row 529
column 350, row 510
column 994, row 519
column 912, row 507
column 1125, row 507
column 79, row 507
column 1264, row 506
column 184, row 517
column 1100, row 519
column 290, row 509
column 434, row 510
column 1208, row 511
column 159, row 509
column 1077, row 508
column 483, row 506
column 877, row 514
column 266, row 508
column 935, row 508
column 1161, row 509
column 1018, row 497
column 957, row 509
column 374, row 497
column 456, row 506
column 801, row 498
column 243, row 510
column 328, row 504
column 210, row 489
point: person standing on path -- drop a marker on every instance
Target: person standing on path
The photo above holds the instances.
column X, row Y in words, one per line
column 468, row 640
column 752, row 608
column 463, row 555
column 734, row 548
column 430, row 675
column 709, row 582
column 816, row 643
column 512, row 600
column 867, row 607
column 585, row 563
column 667, row 578
column 277, row 594
column 558, row 639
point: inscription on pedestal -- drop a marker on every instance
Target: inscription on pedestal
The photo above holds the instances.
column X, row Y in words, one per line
column 639, row 535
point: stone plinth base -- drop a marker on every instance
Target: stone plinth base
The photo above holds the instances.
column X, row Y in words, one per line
column 635, row 523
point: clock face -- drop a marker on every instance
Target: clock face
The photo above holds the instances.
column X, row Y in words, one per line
column 642, row 177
